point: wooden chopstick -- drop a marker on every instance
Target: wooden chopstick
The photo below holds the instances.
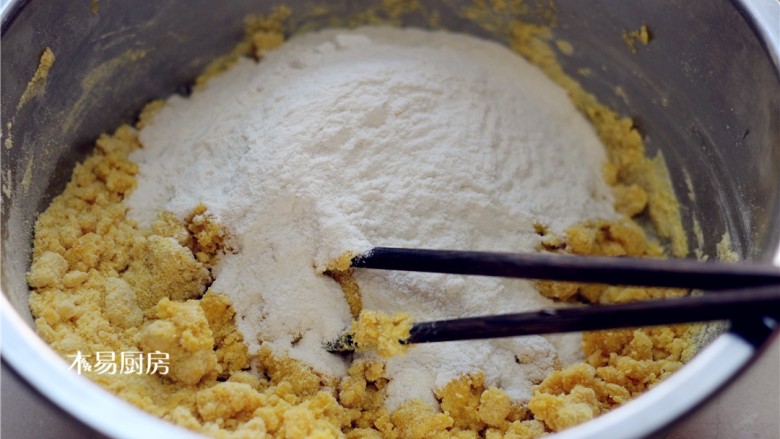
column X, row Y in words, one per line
column 721, row 305
column 673, row 273
column 746, row 290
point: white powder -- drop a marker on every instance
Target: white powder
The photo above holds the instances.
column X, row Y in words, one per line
column 344, row 140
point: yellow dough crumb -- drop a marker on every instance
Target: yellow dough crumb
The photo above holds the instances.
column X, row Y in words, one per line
column 381, row 333
column 148, row 112
column 620, row 365
column 263, row 33
column 47, row 271
column 724, row 249
column 181, row 330
column 564, row 47
column 606, row 238
column 231, row 351
column 630, row 200
column 264, row 41
column 641, row 36
column 340, row 270
column 160, row 268
column 350, row 288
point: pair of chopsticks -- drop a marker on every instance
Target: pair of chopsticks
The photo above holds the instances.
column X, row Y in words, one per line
column 738, row 290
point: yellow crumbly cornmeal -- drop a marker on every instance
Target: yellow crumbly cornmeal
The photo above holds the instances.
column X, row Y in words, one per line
column 100, row 284
column 381, row 333
column 641, row 35
column 37, row 83
column 339, row 269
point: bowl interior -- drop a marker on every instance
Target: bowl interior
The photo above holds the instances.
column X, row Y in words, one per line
column 698, row 94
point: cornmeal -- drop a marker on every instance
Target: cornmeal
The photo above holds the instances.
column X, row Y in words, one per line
column 37, row 83
column 100, row 283
column 381, row 333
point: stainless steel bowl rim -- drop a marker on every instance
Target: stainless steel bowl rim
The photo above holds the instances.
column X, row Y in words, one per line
column 47, row 372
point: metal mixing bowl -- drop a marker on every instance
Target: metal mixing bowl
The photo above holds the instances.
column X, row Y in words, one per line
column 706, row 92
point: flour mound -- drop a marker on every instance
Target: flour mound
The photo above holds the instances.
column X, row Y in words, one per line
column 343, row 140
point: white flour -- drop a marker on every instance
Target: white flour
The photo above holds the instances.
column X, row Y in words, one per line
column 344, row 140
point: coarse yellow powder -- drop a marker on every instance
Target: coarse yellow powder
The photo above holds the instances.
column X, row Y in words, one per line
column 340, row 270
column 634, row 37
column 37, row 84
column 381, row 333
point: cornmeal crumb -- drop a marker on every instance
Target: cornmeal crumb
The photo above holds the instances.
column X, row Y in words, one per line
column 37, row 84
column 47, row 271
column 607, row 238
column 494, row 408
column 351, row 289
column 209, row 239
column 121, row 304
column 381, row 332
column 620, row 364
column 148, row 112
column 630, row 200
column 340, row 264
column 461, row 400
column 231, row 351
column 181, row 330
column 161, row 268
column 641, row 35
column 340, row 270
column 264, row 41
